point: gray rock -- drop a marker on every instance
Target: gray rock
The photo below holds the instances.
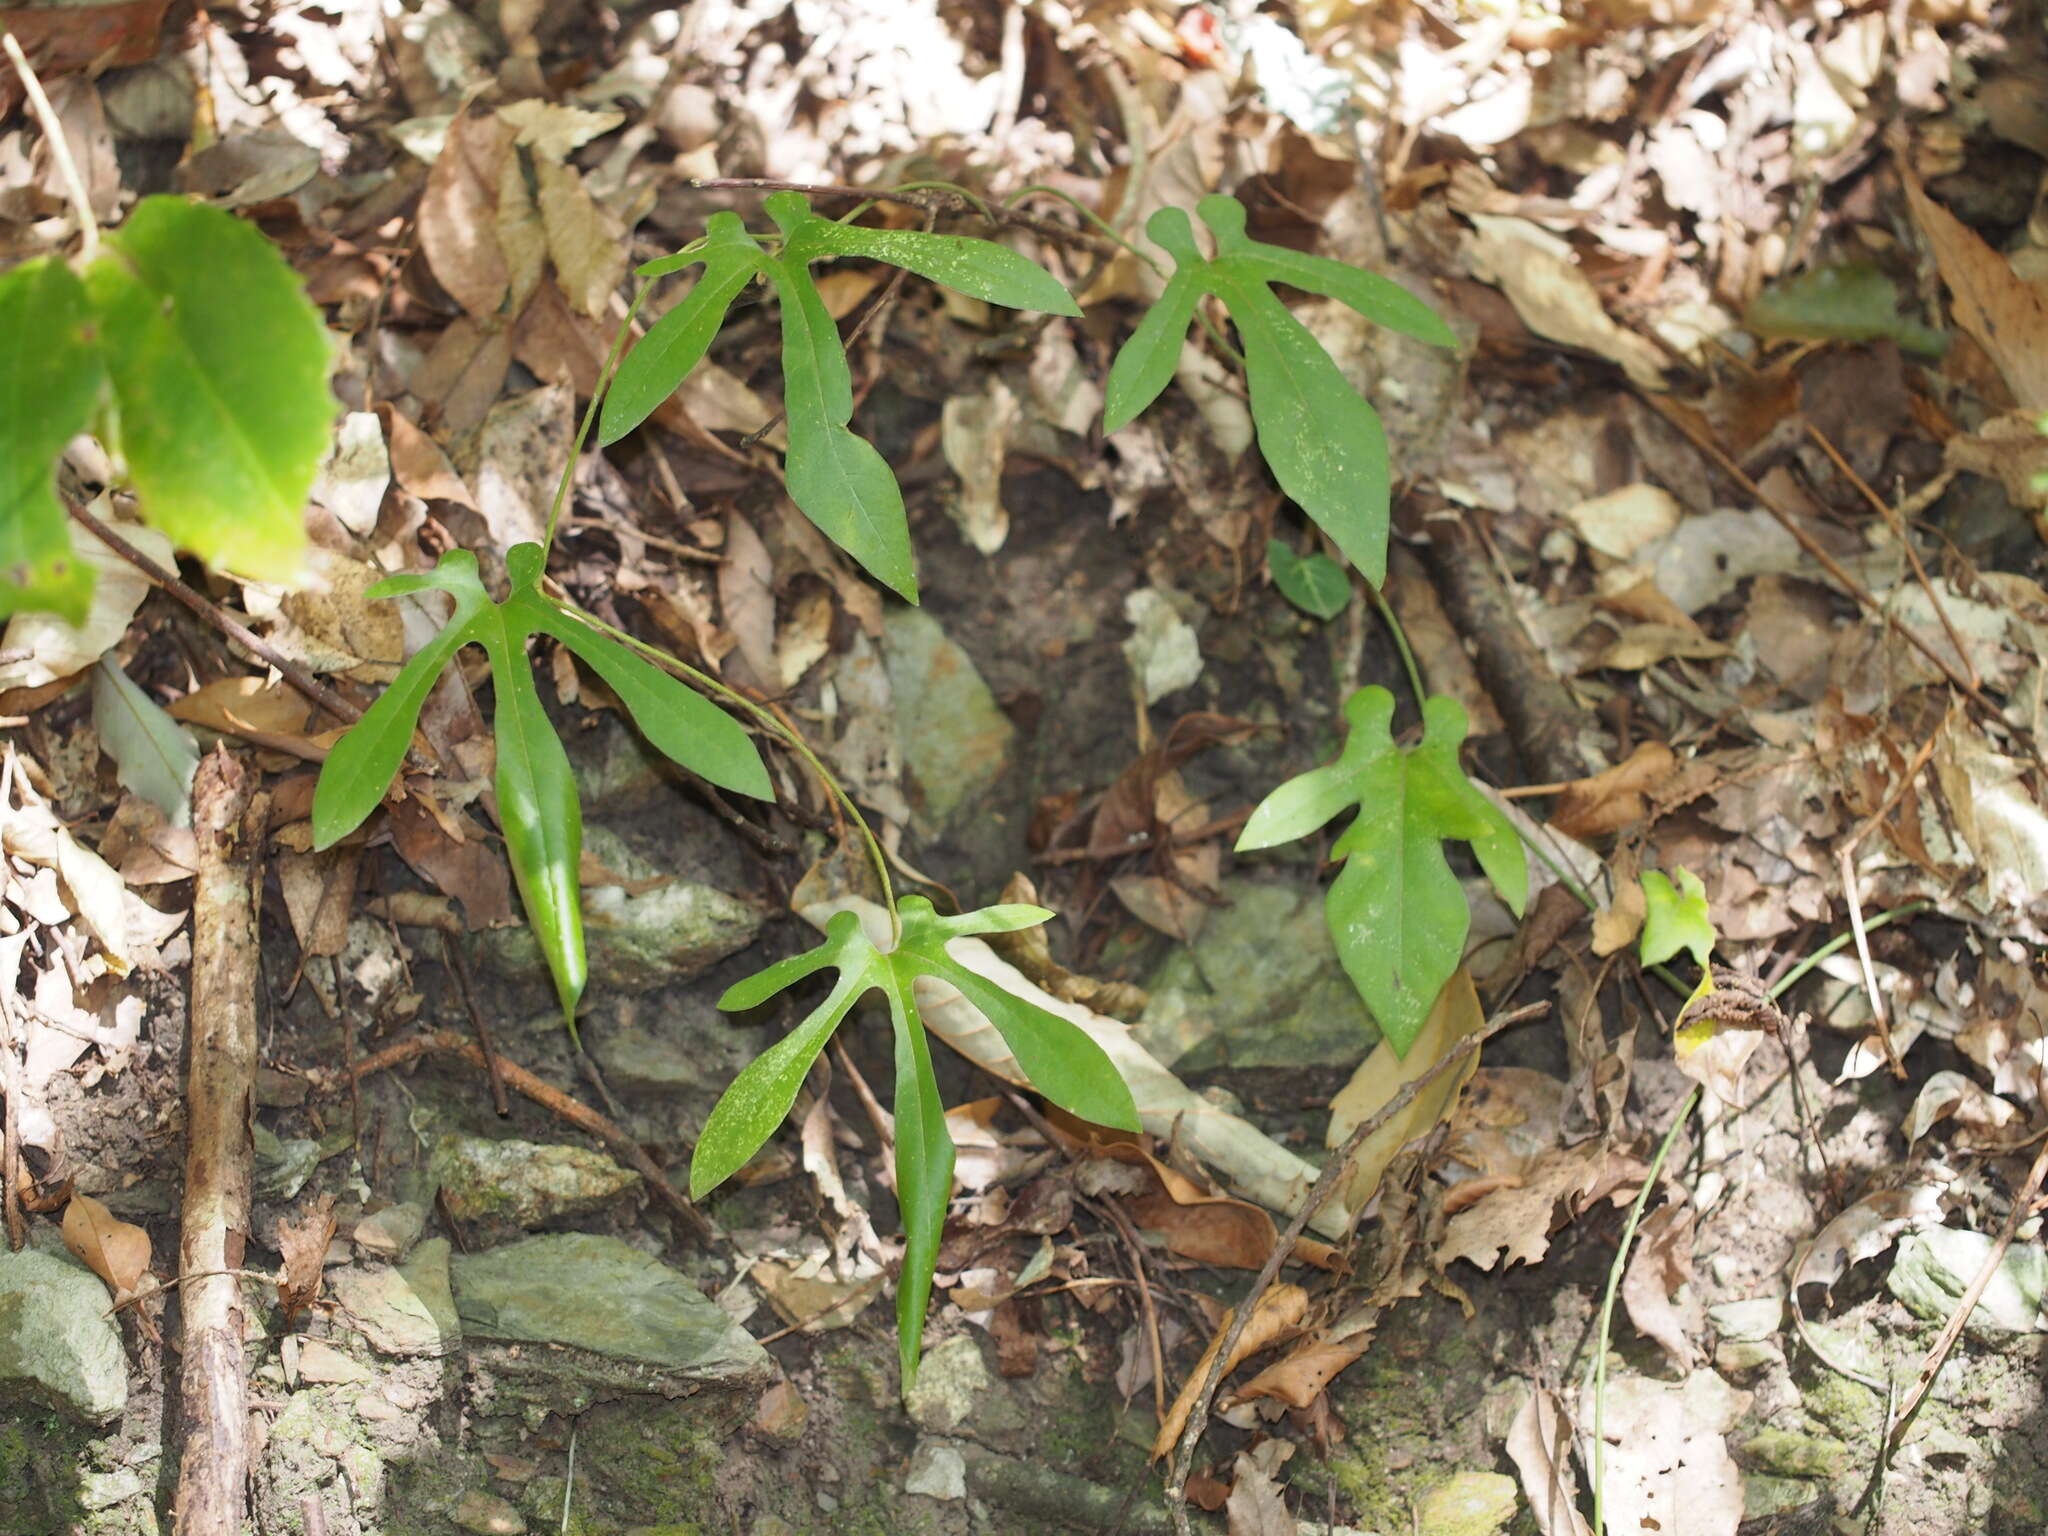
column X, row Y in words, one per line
column 390, row 1233
column 58, row 1346
column 675, row 1047
column 955, row 1394
column 955, row 738
column 518, row 1185
column 608, row 1298
column 1260, row 987
column 487, row 1515
column 404, row 1311
column 1934, row 1267
column 937, row 1470
column 638, row 942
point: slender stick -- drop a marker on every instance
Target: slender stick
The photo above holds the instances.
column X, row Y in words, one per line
column 60, row 147
column 218, row 617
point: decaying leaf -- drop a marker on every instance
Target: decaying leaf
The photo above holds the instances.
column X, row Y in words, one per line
column 303, row 1246
column 1275, row 1315
column 115, row 1250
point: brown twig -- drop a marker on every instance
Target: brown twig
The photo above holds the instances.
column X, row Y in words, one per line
column 1899, row 532
column 458, row 965
column 228, row 814
column 1335, row 1175
column 930, row 199
column 2022, row 1207
column 218, row 617
column 448, row 1043
column 1141, row 1274
column 1704, row 441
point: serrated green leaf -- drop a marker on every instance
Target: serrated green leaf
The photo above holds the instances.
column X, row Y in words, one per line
column 1675, row 919
column 219, row 365
column 1060, row 1060
column 154, row 755
column 677, row 342
column 50, row 379
column 1315, row 584
column 981, row 269
column 1396, row 911
column 537, row 803
column 1322, row 440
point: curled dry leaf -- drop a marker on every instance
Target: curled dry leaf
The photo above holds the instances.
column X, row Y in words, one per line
column 1276, row 1314
column 1519, row 1219
column 1540, row 1445
column 115, row 1250
column 303, row 1245
column 1618, row 797
column 1658, row 1272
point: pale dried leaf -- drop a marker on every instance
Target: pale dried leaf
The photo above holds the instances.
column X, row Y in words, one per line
column 115, row 1250
column 303, row 1246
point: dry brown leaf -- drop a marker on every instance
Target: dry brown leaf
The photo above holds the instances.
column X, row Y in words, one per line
column 1278, row 1312
column 115, row 1250
column 1539, row 1444
column 2006, row 314
column 584, row 238
column 1313, row 1363
column 1255, row 1506
column 458, row 214
column 746, row 600
column 1616, row 798
column 1381, row 1075
column 470, row 870
column 1519, row 1219
column 303, row 1245
column 241, row 705
column 417, row 462
column 319, row 896
column 1658, row 1270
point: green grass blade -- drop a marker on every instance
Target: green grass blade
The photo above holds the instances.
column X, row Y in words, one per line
column 50, row 380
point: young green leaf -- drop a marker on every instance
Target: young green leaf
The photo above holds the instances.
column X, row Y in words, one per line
column 1315, row 584
column 1322, row 440
column 1674, row 921
column 220, row 367
column 1062, row 1063
column 536, row 791
column 50, row 379
column 154, row 756
column 837, row 479
column 1396, row 911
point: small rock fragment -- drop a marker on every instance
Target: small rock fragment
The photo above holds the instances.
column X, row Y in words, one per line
column 487, row 1515
column 519, row 1185
column 937, row 1471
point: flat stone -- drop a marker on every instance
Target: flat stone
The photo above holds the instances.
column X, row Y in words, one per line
column 1935, row 1266
column 604, row 1296
column 487, row 1515
column 404, row 1311
column 58, row 1346
column 1260, row 987
column 390, row 1233
column 1469, row 1504
column 955, row 738
column 937, row 1471
column 955, row 1394
column 518, row 1185
column 637, row 942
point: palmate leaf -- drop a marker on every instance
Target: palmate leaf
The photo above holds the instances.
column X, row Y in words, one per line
column 536, row 791
column 50, row 380
column 1322, row 439
column 836, row 478
column 1062, row 1063
column 1395, row 911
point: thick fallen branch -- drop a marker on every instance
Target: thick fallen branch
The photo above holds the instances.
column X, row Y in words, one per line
column 213, row 1476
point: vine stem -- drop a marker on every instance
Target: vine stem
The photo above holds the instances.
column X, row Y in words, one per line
column 604, row 379
column 1408, row 662
column 60, row 147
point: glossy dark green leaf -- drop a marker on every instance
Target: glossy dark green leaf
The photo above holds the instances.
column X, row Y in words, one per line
column 536, row 791
column 676, row 343
column 1315, row 584
column 220, row 366
column 1060, row 1060
column 1396, row 911
column 1321, row 438
column 50, row 380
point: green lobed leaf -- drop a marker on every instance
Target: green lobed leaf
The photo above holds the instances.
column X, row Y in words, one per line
column 1060, row 1060
column 981, row 269
column 677, row 342
column 219, row 365
column 538, row 811
column 1396, row 912
column 1675, row 919
column 1315, row 584
column 50, row 380
column 155, row 756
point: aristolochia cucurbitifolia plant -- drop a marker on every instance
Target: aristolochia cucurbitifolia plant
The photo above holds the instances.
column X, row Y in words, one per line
column 1060, row 1060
